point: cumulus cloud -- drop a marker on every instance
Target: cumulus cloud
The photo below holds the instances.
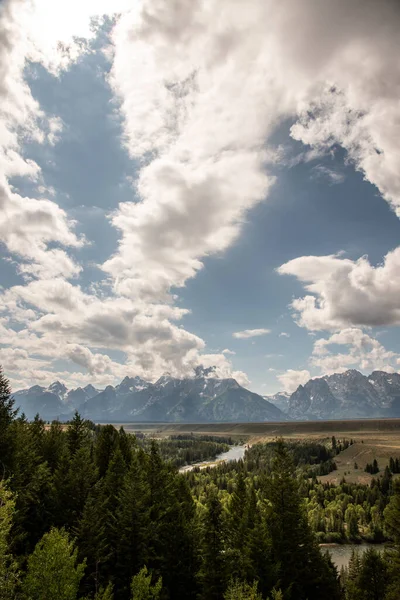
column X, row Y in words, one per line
column 284, row 334
column 227, row 351
column 291, row 379
column 250, row 333
column 199, row 98
column 363, row 352
column 346, row 292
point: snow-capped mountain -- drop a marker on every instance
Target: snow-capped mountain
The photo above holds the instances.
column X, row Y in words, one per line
column 347, row 395
column 202, row 398
column 52, row 401
column 281, row 400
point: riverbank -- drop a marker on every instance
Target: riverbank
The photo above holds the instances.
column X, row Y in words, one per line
column 341, row 553
column 234, row 453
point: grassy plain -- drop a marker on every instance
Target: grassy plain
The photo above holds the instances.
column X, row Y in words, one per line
column 374, row 438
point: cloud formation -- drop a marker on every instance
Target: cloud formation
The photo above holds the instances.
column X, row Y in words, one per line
column 344, row 292
column 199, row 99
column 363, row 352
column 250, row 333
column 291, row 379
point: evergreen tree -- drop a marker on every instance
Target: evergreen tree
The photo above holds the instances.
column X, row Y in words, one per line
column 7, row 416
column 259, row 550
column 352, row 580
column 125, row 445
column 238, row 532
column 238, row 590
column 8, row 568
column 54, row 445
column 373, row 577
column 392, row 526
column 32, row 484
column 213, row 573
column 303, row 571
column 77, row 433
column 73, row 480
column 132, row 522
column 169, row 530
column 105, row 594
column 142, row 587
column 99, row 544
column 53, row 572
column 107, row 443
column 392, row 514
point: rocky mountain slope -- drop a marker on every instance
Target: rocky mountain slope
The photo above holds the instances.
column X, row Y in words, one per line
column 347, row 395
column 203, row 398
column 281, row 400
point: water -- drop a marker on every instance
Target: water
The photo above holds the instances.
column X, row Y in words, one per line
column 234, row 453
column 341, row 553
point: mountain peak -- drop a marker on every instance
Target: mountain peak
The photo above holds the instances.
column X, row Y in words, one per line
column 58, row 388
column 345, row 395
column 132, row 384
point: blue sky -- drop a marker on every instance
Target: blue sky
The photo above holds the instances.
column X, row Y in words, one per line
column 159, row 200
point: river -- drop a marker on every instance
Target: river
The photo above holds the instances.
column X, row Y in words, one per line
column 341, row 553
column 234, row 453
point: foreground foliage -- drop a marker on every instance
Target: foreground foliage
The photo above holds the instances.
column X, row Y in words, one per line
column 87, row 512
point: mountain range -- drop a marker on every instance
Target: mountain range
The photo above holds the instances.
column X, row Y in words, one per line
column 205, row 398
column 200, row 399
column 347, row 395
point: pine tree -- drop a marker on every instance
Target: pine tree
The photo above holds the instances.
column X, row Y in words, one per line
column 238, row 590
column 373, row 577
column 392, row 526
column 73, row 480
column 238, row 560
column 53, row 572
column 107, row 443
column 169, row 529
column 261, row 567
column 142, row 587
column 352, row 585
column 9, row 575
column 98, row 544
column 54, row 445
column 303, row 571
column 213, row 573
column 132, row 521
column 7, row 416
column 33, row 487
column 392, row 514
column 105, row 594
column 125, row 445
column 77, row 433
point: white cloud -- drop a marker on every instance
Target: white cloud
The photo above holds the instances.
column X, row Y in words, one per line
column 333, row 176
column 346, row 292
column 250, row 333
column 227, row 351
column 291, row 379
column 284, row 334
column 363, row 352
column 199, row 98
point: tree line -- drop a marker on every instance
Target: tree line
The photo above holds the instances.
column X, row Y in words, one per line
column 86, row 512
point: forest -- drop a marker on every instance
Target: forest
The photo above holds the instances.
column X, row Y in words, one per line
column 91, row 512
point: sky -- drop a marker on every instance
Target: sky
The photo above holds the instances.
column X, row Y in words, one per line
column 214, row 183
